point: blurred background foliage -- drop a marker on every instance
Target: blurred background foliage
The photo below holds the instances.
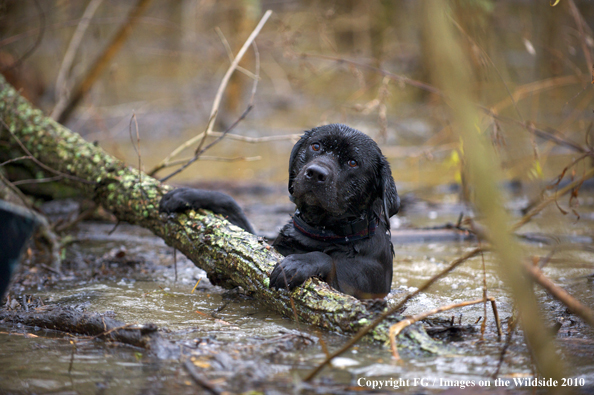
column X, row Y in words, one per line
column 322, row 61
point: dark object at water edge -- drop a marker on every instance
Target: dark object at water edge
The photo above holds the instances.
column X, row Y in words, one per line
column 16, row 226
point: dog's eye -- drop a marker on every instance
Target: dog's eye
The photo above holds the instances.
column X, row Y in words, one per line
column 315, row 146
column 353, row 163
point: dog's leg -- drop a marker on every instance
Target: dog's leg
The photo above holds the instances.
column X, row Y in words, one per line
column 182, row 199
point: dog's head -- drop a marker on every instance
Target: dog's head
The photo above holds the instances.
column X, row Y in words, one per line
column 336, row 172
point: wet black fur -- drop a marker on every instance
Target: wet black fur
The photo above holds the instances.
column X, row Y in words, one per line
column 329, row 190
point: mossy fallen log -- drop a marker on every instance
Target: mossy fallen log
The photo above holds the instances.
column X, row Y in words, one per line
column 229, row 255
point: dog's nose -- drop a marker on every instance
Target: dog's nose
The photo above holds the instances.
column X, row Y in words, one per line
column 317, row 173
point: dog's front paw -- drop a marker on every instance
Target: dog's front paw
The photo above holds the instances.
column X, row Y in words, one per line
column 292, row 271
column 176, row 201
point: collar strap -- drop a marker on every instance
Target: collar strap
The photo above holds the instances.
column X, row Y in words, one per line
column 358, row 229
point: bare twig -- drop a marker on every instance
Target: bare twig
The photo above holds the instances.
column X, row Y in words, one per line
column 256, row 140
column 224, row 159
column 62, row 83
column 552, row 135
column 581, row 25
column 535, row 87
column 230, row 53
column 15, row 160
column 484, row 323
column 197, row 155
column 200, row 151
column 219, row 94
column 137, row 145
column 511, row 328
column 196, row 286
column 560, row 177
column 72, row 356
column 170, row 163
column 392, row 76
column 242, row 51
column 182, row 161
column 555, row 138
column 552, row 198
column 560, row 294
column 205, row 134
column 81, row 90
column 237, row 137
column 398, row 327
column 37, row 180
column 496, row 315
column 393, row 310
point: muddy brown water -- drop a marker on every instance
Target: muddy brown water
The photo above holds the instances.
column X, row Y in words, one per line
column 240, row 345
column 167, row 75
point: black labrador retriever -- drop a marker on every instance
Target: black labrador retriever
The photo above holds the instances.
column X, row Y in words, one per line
column 344, row 194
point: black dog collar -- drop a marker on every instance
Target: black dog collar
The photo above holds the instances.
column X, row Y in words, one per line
column 358, row 229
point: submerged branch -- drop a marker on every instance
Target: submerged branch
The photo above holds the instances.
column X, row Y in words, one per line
column 400, row 326
column 560, row 294
column 76, row 321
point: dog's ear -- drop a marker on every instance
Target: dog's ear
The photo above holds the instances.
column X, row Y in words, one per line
column 296, row 156
column 387, row 190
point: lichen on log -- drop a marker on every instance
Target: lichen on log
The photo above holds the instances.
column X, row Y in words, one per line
column 229, row 255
